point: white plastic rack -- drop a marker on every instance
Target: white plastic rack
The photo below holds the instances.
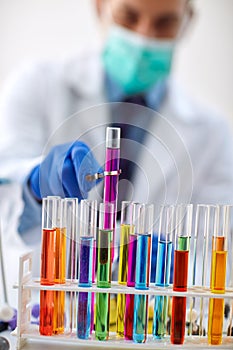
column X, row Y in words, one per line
column 28, row 334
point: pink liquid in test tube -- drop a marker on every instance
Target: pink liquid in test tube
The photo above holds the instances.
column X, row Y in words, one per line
column 112, row 163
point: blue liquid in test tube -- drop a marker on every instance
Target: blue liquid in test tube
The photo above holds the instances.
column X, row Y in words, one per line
column 163, row 268
column 143, row 228
column 87, row 233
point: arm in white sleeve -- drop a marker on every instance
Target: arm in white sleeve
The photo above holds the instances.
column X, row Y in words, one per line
column 30, row 219
column 23, row 123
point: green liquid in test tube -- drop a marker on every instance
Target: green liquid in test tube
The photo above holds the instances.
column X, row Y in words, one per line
column 104, row 269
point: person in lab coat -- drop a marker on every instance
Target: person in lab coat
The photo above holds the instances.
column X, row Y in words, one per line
column 54, row 116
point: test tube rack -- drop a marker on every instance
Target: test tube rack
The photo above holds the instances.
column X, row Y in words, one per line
column 26, row 332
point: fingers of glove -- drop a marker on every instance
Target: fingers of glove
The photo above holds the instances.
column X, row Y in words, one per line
column 69, row 180
column 84, row 163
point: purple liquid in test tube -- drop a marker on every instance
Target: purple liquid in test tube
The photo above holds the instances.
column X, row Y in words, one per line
column 88, row 216
column 93, row 280
column 112, row 163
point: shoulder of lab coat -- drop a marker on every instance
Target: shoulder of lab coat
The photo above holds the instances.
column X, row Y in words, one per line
column 37, row 100
column 208, row 138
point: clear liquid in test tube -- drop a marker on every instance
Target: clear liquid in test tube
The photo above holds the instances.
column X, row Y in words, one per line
column 71, row 215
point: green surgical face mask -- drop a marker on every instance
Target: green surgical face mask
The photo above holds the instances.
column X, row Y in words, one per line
column 134, row 61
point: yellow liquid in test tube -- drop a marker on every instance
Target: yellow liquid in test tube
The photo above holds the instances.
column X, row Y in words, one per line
column 217, row 285
column 60, row 275
column 122, row 276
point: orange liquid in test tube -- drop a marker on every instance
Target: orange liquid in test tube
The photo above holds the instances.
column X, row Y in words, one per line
column 217, row 285
column 60, row 274
column 47, row 279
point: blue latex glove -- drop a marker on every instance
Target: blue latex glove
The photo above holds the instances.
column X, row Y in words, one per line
column 63, row 172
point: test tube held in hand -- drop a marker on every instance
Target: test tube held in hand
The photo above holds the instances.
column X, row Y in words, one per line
column 183, row 227
column 88, row 217
column 112, row 164
column 104, row 262
column 143, row 229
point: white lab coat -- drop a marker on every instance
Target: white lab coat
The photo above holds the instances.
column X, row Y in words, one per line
column 188, row 156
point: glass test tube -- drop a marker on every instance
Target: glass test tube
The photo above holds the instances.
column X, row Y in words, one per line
column 71, row 214
column 183, row 227
column 143, row 229
column 203, row 226
column 218, row 273
column 60, row 267
column 163, row 268
column 88, row 217
column 112, row 164
column 104, row 267
column 129, row 299
column 93, row 280
column 48, row 247
column 125, row 232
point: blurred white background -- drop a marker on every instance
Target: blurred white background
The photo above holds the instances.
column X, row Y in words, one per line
column 45, row 29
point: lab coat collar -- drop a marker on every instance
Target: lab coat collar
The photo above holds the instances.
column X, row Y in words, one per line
column 86, row 82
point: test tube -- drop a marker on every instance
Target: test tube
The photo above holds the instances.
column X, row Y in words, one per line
column 203, row 227
column 183, row 227
column 143, row 229
column 48, row 248
column 125, row 232
column 218, row 273
column 163, row 268
column 129, row 300
column 93, row 280
column 71, row 214
column 60, row 267
column 112, row 164
column 104, row 263
column 88, row 216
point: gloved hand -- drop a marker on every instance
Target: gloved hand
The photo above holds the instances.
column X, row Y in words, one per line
column 63, row 172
